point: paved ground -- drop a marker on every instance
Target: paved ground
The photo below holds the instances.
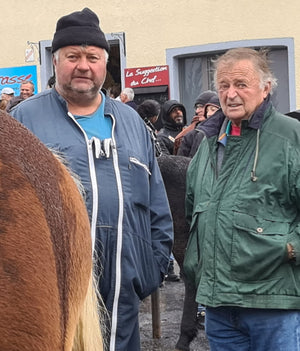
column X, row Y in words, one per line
column 171, row 302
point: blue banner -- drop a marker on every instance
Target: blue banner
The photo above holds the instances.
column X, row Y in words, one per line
column 12, row 77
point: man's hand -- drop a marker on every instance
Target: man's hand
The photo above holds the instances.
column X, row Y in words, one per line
column 291, row 252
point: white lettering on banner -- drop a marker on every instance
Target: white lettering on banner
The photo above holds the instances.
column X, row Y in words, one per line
column 146, row 80
column 156, row 75
column 133, row 83
column 146, row 72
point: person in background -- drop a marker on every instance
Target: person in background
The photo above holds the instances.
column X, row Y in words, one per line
column 7, row 94
column 211, row 107
column 114, row 91
column 200, row 102
column 26, row 91
column 127, row 96
column 173, row 119
column 149, row 110
column 188, row 147
column 3, row 104
column 51, row 82
column 108, row 146
column 191, row 141
column 243, row 203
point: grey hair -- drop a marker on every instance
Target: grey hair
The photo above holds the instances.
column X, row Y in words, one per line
column 259, row 58
column 129, row 93
column 28, row 82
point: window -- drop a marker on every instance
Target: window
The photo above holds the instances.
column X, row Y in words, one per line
column 191, row 71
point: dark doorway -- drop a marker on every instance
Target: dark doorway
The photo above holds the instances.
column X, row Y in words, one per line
column 113, row 77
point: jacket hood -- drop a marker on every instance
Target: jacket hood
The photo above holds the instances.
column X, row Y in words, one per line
column 204, row 97
column 167, row 121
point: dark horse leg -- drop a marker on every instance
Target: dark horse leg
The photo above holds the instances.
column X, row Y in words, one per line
column 189, row 325
column 173, row 170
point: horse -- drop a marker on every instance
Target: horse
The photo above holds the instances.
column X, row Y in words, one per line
column 173, row 169
column 46, row 280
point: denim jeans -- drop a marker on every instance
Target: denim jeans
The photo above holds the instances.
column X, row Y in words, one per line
column 251, row 329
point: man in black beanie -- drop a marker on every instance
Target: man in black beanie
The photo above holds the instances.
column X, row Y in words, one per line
column 107, row 144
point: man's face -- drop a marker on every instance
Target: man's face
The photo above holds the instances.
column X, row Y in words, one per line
column 176, row 115
column 210, row 110
column 199, row 110
column 26, row 91
column 80, row 70
column 124, row 97
column 239, row 89
column 6, row 97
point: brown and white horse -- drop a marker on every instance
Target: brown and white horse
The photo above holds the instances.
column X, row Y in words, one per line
column 45, row 249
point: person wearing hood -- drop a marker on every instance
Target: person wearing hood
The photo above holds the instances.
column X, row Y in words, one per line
column 173, row 121
column 211, row 107
column 243, row 207
column 149, row 111
column 199, row 106
column 192, row 139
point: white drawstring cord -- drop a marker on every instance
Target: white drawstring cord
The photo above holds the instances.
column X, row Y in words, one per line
column 253, row 175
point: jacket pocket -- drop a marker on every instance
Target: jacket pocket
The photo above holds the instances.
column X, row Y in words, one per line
column 192, row 258
column 258, row 247
column 141, row 268
column 139, row 177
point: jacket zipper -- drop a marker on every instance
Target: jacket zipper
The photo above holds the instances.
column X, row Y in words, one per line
column 92, row 170
column 114, row 317
column 139, row 163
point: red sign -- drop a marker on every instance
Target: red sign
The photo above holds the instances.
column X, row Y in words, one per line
column 146, row 76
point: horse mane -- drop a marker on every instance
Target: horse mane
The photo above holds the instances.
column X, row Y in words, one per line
column 46, row 285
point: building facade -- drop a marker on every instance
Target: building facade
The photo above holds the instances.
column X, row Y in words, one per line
column 184, row 35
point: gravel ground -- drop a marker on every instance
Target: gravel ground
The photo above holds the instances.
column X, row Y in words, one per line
column 171, row 303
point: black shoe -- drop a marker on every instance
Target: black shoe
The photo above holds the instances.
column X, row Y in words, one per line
column 172, row 277
column 201, row 319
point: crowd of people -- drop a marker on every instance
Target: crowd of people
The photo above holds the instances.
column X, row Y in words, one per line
column 8, row 98
column 242, row 189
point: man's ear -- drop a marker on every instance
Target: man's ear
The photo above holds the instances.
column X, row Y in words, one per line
column 267, row 89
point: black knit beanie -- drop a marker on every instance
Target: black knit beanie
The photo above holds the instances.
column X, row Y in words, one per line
column 79, row 28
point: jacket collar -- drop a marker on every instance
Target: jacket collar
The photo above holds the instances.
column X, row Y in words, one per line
column 213, row 125
column 256, row 120
column 107, row 106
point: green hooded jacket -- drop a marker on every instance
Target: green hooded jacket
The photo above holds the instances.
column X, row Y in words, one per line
column 243, row 210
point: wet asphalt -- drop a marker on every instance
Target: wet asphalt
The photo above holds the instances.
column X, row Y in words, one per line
column 171, row 296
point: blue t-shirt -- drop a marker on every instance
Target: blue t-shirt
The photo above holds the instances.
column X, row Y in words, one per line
column 96, row 125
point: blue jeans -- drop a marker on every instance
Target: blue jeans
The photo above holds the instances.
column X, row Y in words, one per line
column 251, row 329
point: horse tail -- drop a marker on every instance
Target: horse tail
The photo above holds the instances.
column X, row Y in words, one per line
column 88, row 335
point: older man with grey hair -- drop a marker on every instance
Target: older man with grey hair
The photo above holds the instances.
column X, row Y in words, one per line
column 126, row 96
column 243, row 203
